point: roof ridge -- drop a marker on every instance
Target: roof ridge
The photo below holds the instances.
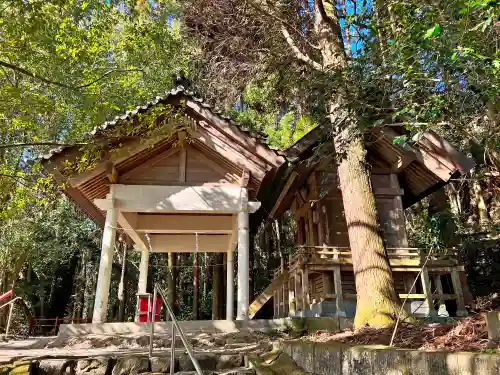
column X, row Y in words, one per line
column 151, row 103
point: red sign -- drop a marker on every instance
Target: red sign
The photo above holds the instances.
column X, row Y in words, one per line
column 6, row 295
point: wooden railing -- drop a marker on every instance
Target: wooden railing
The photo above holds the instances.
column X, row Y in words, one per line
column 408, row 256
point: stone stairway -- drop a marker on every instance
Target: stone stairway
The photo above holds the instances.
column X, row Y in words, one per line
column 217, row 353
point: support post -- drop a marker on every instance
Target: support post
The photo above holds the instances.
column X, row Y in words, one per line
column 143, row 272
column 339, row 298
column 426, row 287
column 104, row 275
column 298, row 296
column 243, row 257
column 457, row 287
column 229, row 286
column 306, row 301
column 291, row 296
column 439, row 288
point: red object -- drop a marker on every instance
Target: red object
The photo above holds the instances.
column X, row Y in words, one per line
column 6, row 295
column 144, row 313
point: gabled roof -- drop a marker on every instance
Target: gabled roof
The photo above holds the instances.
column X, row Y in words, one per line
column 423, row 167
column 234, row 148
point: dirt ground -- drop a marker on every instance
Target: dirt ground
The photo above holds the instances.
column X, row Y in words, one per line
column 464, row 334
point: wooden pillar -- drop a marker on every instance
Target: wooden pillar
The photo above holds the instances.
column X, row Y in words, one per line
column 243, row 258
column 306, row 298
column 439, row 288
column 298, row 294
column 339, row 297
column 229, row 286
column 457, row 287
column 143, row 272
column 106, row 263
column 291, row 295
column 426, row 287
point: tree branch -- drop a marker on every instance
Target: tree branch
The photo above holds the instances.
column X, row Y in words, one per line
column 283, row 22
column 298, row 53
column 61, row 84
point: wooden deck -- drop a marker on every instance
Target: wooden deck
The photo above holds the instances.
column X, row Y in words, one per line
column 320, row 273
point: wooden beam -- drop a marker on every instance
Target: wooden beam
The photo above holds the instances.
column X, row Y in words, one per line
column 403, row 161
column 283, row 193
column 172, row 199
column 179, row 224
column 186, row 243
column 128, row 221
column 182, row 164
column 245, row 177
column 111, row 172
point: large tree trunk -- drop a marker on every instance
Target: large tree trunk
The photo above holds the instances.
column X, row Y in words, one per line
column 196, row 283
column 377, row 302
column 172, row 281
column 217, row 287
column 121, row 286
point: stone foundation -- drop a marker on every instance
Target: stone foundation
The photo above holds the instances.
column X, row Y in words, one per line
column 342, row 359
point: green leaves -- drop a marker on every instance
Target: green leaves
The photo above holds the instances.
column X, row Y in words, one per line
column 433, row 31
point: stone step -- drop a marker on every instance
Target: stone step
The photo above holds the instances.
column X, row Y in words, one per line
column 226, row 364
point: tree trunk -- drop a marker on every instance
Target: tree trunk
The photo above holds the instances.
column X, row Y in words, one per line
column 377, row 302
column 196, row 282
column 482, row 210
column 121, row 286
column 217, row 286
column 172, row 281
column 277, row 231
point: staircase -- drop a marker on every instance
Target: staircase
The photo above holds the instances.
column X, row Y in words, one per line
column 216, row 353
column 266, row 294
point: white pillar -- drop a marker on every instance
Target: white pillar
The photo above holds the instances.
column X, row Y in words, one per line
column 243, row 258
column 229, row 286
column 143, row 272
column 104, row 276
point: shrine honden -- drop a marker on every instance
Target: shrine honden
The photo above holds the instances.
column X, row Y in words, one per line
column 206, row 184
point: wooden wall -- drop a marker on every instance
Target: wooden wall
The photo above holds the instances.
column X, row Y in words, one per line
column 320, row 213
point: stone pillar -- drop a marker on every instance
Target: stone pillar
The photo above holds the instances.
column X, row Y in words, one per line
column 143, row 272
column 229, row 286
column 243, row 258
column 457, row 287
column 106, row 263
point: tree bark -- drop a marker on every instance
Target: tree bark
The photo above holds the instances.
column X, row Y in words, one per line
column 217, row 286
column 172, row 281
column 196, row 283
column 121, row 286
column 377, row 302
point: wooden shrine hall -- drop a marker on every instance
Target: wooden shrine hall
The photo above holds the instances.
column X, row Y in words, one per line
column 318, row 279
column 201, row 181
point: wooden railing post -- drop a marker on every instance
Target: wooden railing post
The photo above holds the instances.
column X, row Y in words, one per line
column 439, row 288
column 426, row 287
column 291, row 295
column 457, row 287
column 306, row 301
column 339, row 297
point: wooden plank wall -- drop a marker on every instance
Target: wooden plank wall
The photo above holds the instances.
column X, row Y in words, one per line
column 320, row 213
